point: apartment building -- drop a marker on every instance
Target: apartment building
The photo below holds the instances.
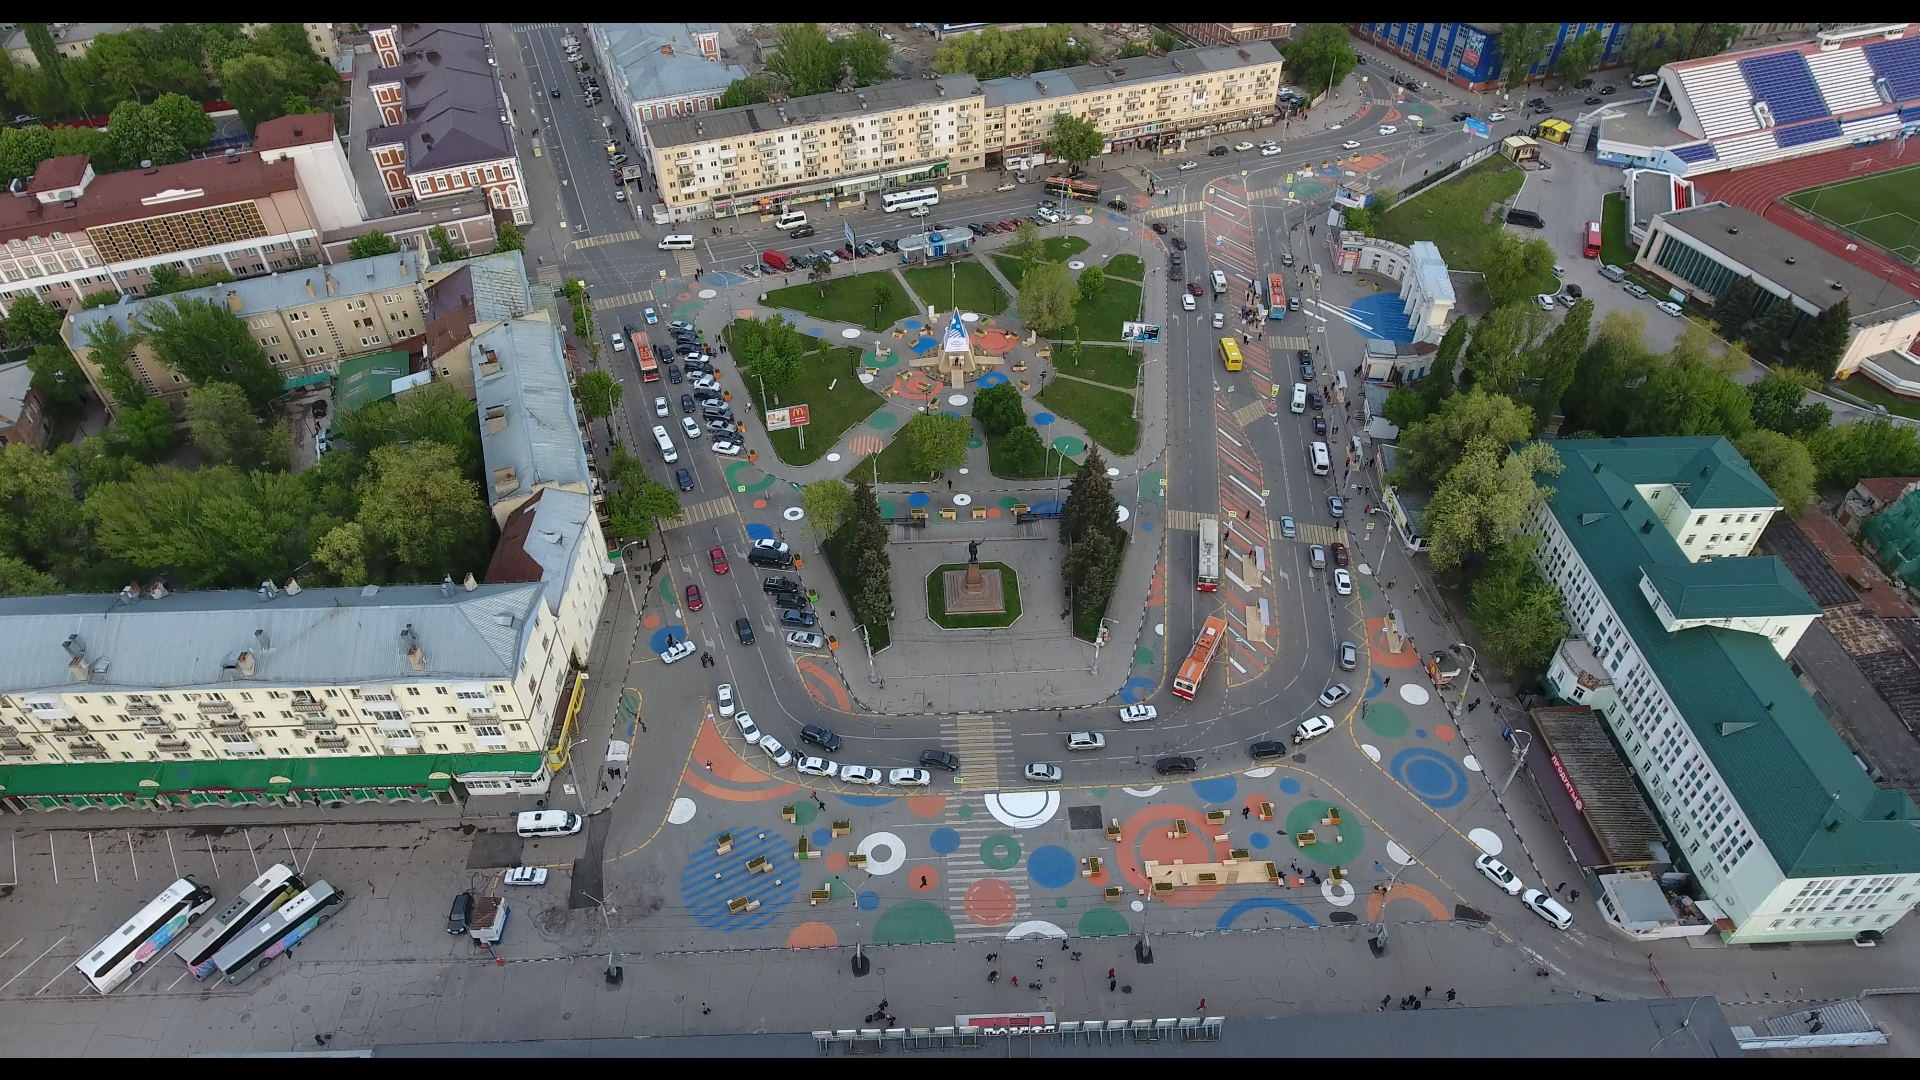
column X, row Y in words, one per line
column 471, row 296
column 1222, row 33
column 530, row 434
column 71, row 40
column 903, row 133
column 321, row 37
column 320, row 162
column 445, row 127
column 306, row 321
column 67, row 232
column 1679, row 644
column 660, row 70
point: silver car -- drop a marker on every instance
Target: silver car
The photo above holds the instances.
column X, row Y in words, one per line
column 909, row 777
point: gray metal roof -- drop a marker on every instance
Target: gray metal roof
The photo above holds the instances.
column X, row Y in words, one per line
column 796, row 112
column 640, row 53
column 1065, row 82
column 500, row 287
column 452, row 98
column 540, row 439
column 1764, row 248
column 15, row 380
column 553, row 541
column 1431, row 270
column 277, row 291
column 317, row 637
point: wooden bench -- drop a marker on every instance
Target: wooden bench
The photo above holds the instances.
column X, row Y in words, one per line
column 742, row 903
column 804, row 850
column 842, row 828
column 1179, row 829
column 724, row 844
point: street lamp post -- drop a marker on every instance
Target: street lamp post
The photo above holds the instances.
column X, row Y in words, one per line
column 1459, row 703
column 1519, row 756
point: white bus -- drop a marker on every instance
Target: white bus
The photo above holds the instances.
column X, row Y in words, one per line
column 258, row 945
column 268, row 893
column 1207, row 566
column 910, row 200
column 130, row 948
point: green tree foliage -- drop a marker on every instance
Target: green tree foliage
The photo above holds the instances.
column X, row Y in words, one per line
column 1516, row 612
column 634, row 499
column 226, row 429
column 415, row 500
column 1319, row 56
column 1876, row 447
column 999, row 409
column 994, row 53
column 751, row 90
column 207, row 343
column 1778, row 402
column 1047, row 297
column 1165, row 42
column 882, row 296
column 437, row 412
column 1092, row 568
column 1436, row 444
column 1733, row 308
column 1497, row 356
column 23, row 149
column 508, row 238
column 936, row 442
column 1692, row 392
column 1772, row 335
column 827, row 502
column 1825, row 340
column 1479, row 508
column 769, row 350
column 1783, row 463
column 868, row 57
column 1093, row 282
column 110, row 346
column 599, row 395
column 164, row 280
column 1360, row 220
column 42, row 523
column 144, row 432
column 1026, row 243
column 164, row 132
column 1076, row 140
column 1553, row 363
column 1021, row 450
column 807, row 63
column 1577, row 57
column 1512, row 267
column 1650, row 45
column 342, row 552
column 373, row 243
column 30, row 321
column 19, row 579
column 212, row 528
column 1613, row 366
column 277, row 73
column 56, row 375
column 1090, row 506
column 1132, row 49
column 443, row 249
column 1404, row 408
column 1521, row 46
column 1439, row 382
column 863, row 540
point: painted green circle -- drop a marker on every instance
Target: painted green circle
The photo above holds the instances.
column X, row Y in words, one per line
column 666, row 589
column 883, row 421
column 1387, row 721
column 976, row 443
column 1000, row 852
column 1101, row 922
column 839, row 888
column 965, row 813
column 1100, row 793
column 1008, row 502
column 887, row 509
column 734, row 470
column 913, row 922
column 804, row 812
column 1327, row 853
column 1366, row 591
column 884, row 360
column 1070, row 445
column 1059, row 901
column 1143, row 657
column 1150, row 485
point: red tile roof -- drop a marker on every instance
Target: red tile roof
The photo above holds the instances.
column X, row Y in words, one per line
column 60, row 172
column 511, row 563
column 1886, row 490
column 293, row 131
column 116, row 197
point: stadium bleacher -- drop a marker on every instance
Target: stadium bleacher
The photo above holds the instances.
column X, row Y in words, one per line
column 1720, row 98
column 1783, row 81
column 1802, row 134
column 1845, row 79
column 1695, row 153
column 1898, row 62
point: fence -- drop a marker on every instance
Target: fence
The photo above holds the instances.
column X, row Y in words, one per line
column 1427, row 182
column 972, row 1036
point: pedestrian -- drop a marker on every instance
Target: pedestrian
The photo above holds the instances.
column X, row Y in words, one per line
column 1063, row 946
column 1449, row 994
column 1427, row 991
column 705, row 1008
column 1560, row 886
column 992, row 977
column 833, row 614
column 1386, row 682
column 1076, row 954
column 1109, row 973
column 1416, row 1004
column 1245, row 813
column 1203, row 1005
column 1573, row 897
column 1111, row 983
column 603, row 785
column 992, row 956
column 949, row 484
column 1039, row 963
column 709, row 766
column 1473, row 705
column 1385, row 998
column 923, row 881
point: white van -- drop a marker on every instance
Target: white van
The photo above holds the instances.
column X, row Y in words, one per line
column 1219, row 283
column 791, row 219
column 548, row 823
column 677, row 243
column 1641, row 82
column 1299, row 397
column 1317, row 454
column 667, row 453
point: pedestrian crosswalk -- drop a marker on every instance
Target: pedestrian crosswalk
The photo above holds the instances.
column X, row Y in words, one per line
column 704, row 511
column 608, row 303
column 547, row 274
column 688, row 263
column 1172, row 210
column 1188, row 520
column 1250, row 412
column 1288, row 343
column 1315, row 534
column 982, row 744
column 610, row 238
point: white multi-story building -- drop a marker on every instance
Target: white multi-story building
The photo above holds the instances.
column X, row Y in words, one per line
column 1680, row 638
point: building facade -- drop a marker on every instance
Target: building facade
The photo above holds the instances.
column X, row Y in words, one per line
column 656, row 71
column 1680, row 638
column 444, row 117
column 1216, row 33
column 23, row 416
column 1468, row 54
column 904, row 133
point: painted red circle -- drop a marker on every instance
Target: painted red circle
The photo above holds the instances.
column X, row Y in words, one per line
column 924, row 878
column 991, row 902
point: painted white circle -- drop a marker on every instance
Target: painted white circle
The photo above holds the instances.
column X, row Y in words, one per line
column 682, row 811
column 963, row 499
column 957, row 399
column 793, row 513
column 1036, row 928
column 1143, row 792
column 1262, row 772
column 969, row 316
column 1414, row 694
column 1023, row 809
column 850, row 333
column 1337, row 893
column 1137, row 906
column 866, row 377
column 1121, row 514
column 1398, row 854
column 1371, row 751
column 1472, row 763
column 833, row 457
column 1364, row 568
column 1083, row 219
column 895, row 848
column 1486, row 840
column 1113, row 471
column 707, row 294
column 1160, row 629
column 1076, row 265
column 963, row 472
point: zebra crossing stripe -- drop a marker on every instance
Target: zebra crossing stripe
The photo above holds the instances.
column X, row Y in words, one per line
column 1187, row 520
column 1250, row 412
column 610, row 238
column 706, row 511
column 606, row 303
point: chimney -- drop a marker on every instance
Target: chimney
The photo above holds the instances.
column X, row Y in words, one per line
column 75, row 647
column 297, row 132
column 245, row 662
column 327, row 276
column 267, row 591
column 446, row 586
column 158, row 590
column 264, row 639
column 233, row 156
column 233, row 301
column 310, row 287
column 469, row 584
column 666, row 50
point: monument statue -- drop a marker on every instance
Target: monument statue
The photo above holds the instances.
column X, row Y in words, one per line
column 973, row 551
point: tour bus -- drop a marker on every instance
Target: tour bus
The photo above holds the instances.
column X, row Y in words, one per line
column 268, row 893
column 1194, row 667
column 679, row 242
column 909, row 200
column 1207, row 566
column 1067, row 188
column 1592, row 248
column 141, row 938
column 265, row 941
column 667, row 453
column 1230, row 353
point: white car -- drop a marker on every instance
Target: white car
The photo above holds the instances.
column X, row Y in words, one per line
column 1638, row 292
column 1496, row 117
column 725, row 698
column 706, row 382
column 1388, row 129
column 815, row 766
column 1547, row 908
column 1134, row 714
column 859, row 774
column 777, row 547
column 1334, row 695
column 1219, row 318
column 1043, row 773
column 619, row 342
column 1189, row 166
column 1243, row 146
column 727, row 447
column 802, row 639
column 1669, row 307
column 1086, row 740
column 525, row 875
column 1187, row 302
column 1498, row 873
column 748, row 730
column 651, row 317
column 1350, row 144
column 1343, row 582
column 1269, row 151
column 660, row 407
column 780, row 755
column 688, row 425
column 678, row 651
column 909, row 777
column 1311, row 728
column 1545, row 300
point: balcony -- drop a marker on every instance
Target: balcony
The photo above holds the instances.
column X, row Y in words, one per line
column 226, row 723
column 490, row 742
column 172, row 744
column 216, row 705
column 398, row 745
column 319, row 721
column 330, row 741
column 86, row 748
column 308, row 705
column 153, row 725
column 141, row 707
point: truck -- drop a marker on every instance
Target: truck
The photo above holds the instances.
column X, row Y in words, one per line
column 643, row 355
column 1219, row 283
column 488, row 922
column 777, row 262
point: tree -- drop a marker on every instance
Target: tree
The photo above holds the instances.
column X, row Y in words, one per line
column 1516, row 612
column 1614, row 365
column 1485, row 499
column 806, row 63
column 1496, row 358
column 56, row 375
column 1520, row 47
column 1436, row 444
column 373, row 243
column 1778, row 402
column 1021, row 451
column 415, row 501
column 1047, row 296
column 1733, row 308
column 207, row 342
column 1091, row 568
column 437, row 412
column 1073, row 139
column 1552, row 364
column 1692, row 392
column 442, row 244
column 110, row 347
column 342, row 552
column 1773, row 334
column 508, row 238
column 257, row 86
column 1577, row 57
column 1359, row 219
column 936, row 442
column 1876, row 447
column 1093, row 282
column 632, row 505
column 1319, row 57
column 1090, row 506
column 599, row 395
column 23, row 149
column 994, row 53
column 1824, row 343
column 867, row 56
column 751, row 90
column 1404, row 408
column 1439, row 382
column 225, row 427
column 1165, row 42
column 770, row 350
column 1783, row 463
column 145, row 431
column 1026, row 242
column 863, row 545
column 31, row 321
column 1132, row 49
column 211, row 528
column 827, row 503
column 19, row 579
column 164, row 132
column 41, row 520
column 999, row 409
column 872, row 599
column 882, row 296
column 1513, row 268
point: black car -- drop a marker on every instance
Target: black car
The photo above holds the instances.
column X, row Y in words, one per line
column 1313, row 399
column 1320, row 425
column 798, row 620
column 820, row 737
column 1176, row 764
column 770, row 560
column 1605, row 90
column 976, row 229
column 684, row 478
column 940, row 759
column 1572, row 290
column 1261, row 751
column 706, row 395
column 556, row 92
column 1593, row 99
column 686, row 404
column 1178, row 244
column 889, row 245
column 673, row 375
column 457, row 917
column 1527, row 218
column 1159, row 227
column 700, row 367
column 686, row 349
column 788, row 601
column 1218, row 151
column 1463, row 115
column 320, row 408
column 801, row 233
column 1117, row 204
column 778, row 584
column 744, row 628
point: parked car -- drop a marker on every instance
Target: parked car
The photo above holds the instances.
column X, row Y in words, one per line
column 525, row 875
column 860, row 774
column 940, row 759
column 1086, row 740
column 909, row 777
column 678, row 651
column 775, row 752
column 1269, row 748
column 1545, row 300
column 798, row 620
column 1547, row 908
column 1334, row 695
column 1042, row 773
column 723, row 698
column 748, row 730
column 1134, row 714
column 1498, row 873
column 818, row 766
column 1638, row 292
column 1312, row 728
column 1177, row 763
column 726, row 447
column 1669, row 307
column 458, row 914
column 779, row 584
column 789, row 601
column 801, row 639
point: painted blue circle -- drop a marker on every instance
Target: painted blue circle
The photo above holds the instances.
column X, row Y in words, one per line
column 1374, row 686
column 1146, row 526
column 919, row 499
column 1289, row 786
column 821, row 837
column 1137, row 690
column 1051, row 506
column 864, row 800
column 944, row 841
column 659, row 640
column 991, row 378
column 1258, row 841
column 1228, row 916
column 1052, row 867
column 1433, row 777
column 757, row 531
column 816, row 331
column 868, row 901
column 923, row 346
column 1420, row 733
column 951, row 413
column 912, row 324
column 1378, row 869
column 1043, row 418
column 1217, row 790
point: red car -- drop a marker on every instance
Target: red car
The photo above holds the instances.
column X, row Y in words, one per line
column 1194, row 288
column 694, row 602
column 718, row 556
column 1011, row 224
column 1339, row 554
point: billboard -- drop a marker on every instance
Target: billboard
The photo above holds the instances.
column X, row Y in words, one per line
column 792, row 416
column 1477, row 127
column 1139, row 331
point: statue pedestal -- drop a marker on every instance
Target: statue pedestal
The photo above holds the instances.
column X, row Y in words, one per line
column 973, row 591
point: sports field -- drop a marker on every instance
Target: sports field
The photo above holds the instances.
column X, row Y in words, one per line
column 1883, row 208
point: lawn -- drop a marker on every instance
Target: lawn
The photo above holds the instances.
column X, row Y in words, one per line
column 1616, row 247
column 937, row 599
column 1106, row 414
column 1451, row 213
column 1865, row 389
column 1056, row 464
column 1052, row 249
column 830, row 412
column 1883, row 208
column 1127, row 266
column 1110, row 364
column 848, row 300
column 964, row 284
column 892, row 463
column 1100, row 318
column 877, row 636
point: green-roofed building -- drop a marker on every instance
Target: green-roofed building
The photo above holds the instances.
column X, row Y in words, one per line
column 1680, row 642
column 364, row 380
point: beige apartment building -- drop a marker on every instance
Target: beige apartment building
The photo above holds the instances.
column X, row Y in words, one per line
column 833, row 146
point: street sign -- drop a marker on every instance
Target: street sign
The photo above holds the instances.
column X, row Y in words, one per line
column 792, row 416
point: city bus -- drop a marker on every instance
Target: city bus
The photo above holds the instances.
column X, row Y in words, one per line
column 1592, row 248
column 128, row 949
column 1194, row 667
column 643, row 355
column 1207, row 567
column 268, row 893
column 909, row 200
column 1069, row 188
column 260, row 944
column 1230, row 353
column 1276, row 296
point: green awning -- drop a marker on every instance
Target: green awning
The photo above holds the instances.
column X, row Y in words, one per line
column 315, row 378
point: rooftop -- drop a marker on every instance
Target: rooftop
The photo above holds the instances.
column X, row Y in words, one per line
column 297, row 130
column 1817, row 813
column 366, row 379
column 139, row 193
column 1730, row 589
column 527, row 419
column 1808, row 271
column 190, row 640
column 277, row 291
column 1133, row 71
column 662, row 60
column 451, row 95
column 541, row 542
column 770, row 116
column 15, row 380
column 1784, row 540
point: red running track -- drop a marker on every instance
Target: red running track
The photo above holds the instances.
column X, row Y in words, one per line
column 1760, row 190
